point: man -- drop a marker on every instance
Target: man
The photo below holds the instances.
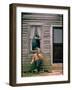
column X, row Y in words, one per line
column 37, row 60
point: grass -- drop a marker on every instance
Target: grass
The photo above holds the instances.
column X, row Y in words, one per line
column 28, row 74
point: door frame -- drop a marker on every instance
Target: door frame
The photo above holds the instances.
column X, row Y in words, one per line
column 54, row 25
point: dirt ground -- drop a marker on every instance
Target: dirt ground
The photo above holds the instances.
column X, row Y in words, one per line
column 53, row 72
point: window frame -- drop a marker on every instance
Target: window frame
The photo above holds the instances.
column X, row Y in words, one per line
column 30, row 44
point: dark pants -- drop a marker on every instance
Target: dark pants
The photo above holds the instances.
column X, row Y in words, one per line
column 37, row 65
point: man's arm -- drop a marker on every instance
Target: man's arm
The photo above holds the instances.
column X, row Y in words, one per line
column 32, row 59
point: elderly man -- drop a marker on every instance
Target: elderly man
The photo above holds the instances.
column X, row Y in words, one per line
column 37, row 60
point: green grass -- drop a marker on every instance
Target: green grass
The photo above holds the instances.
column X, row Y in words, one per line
column 29, row 74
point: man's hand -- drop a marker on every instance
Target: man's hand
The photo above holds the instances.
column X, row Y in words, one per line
column 31, row 62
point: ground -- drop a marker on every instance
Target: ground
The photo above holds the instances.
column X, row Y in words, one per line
column 53, row 72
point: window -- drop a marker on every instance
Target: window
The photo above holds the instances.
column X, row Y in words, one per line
column 35, row 37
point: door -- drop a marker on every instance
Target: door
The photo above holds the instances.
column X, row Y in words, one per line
column 57, row 45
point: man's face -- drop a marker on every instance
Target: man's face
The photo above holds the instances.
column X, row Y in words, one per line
column 38, row 51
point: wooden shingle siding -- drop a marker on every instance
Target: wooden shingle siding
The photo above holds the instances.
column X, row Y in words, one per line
column 24, row 39
column 50, row 17
column 24, row 46
column 46, row 38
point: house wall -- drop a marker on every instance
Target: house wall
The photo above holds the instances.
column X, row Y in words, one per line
column 45, row 21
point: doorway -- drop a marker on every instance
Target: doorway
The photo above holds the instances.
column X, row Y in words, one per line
column 57, row 44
